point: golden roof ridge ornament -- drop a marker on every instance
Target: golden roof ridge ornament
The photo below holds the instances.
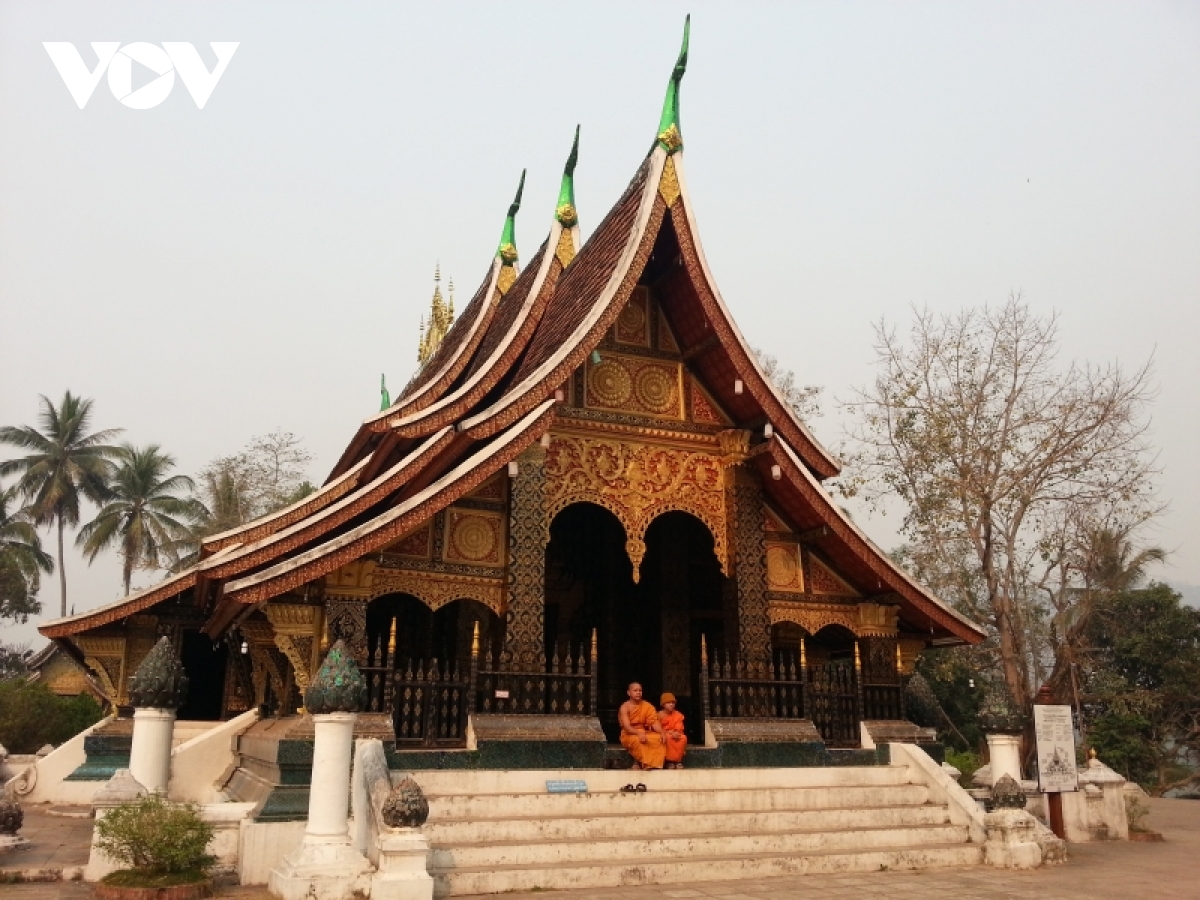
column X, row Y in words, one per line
column 441, row 317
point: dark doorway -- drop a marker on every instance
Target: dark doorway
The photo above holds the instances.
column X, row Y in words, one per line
column 204, row 662
column 423, row 634
column 648, row 632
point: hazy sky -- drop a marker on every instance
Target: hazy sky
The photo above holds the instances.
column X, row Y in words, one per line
column 208, row 275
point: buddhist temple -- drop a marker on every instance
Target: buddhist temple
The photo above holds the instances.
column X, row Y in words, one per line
column 588, row 481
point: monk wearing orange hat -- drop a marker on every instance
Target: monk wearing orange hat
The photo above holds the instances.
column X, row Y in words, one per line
column 641, row 734
column 671, row 721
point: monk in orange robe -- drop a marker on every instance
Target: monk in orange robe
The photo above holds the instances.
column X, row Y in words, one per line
column 641, row 733
column 671, row 721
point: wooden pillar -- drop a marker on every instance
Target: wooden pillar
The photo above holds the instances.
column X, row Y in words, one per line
column 528, row 535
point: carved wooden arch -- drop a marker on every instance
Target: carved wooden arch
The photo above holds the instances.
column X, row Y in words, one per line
column 813, row 617
column 437, row 590
column 637, row 483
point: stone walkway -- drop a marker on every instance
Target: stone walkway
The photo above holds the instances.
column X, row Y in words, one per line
column 1109, row 871
column 57, row 843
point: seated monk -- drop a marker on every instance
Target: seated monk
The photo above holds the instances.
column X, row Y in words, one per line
column 671, row 720
column 641, row 734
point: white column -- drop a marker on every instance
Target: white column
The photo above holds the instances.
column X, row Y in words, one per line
column 1005, row 753
column 329, row 796
column 150, row 755
column 325, row 866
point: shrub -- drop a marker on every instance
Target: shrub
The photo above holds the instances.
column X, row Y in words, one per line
column 156, row 837
column 967, row 763
column 31, row 716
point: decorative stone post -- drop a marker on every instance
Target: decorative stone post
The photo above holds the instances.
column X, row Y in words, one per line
column 403, row 850
column 11, row 819
column 1003, row 723
column 1011, row 831
column 326, row 866
column 157, row 689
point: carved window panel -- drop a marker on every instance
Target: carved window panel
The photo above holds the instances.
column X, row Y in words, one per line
column 648, row 387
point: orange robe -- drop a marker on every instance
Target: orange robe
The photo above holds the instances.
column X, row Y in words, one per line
column 673, row 721
column 651, row 753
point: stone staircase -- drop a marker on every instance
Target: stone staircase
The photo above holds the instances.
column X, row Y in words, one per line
column 493, row 831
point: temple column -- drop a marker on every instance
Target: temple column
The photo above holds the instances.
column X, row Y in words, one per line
column 326, row 866
column 157, row 689
column 528, row 534
column 749, row 551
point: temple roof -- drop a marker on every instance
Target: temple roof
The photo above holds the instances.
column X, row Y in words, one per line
column 492, row 387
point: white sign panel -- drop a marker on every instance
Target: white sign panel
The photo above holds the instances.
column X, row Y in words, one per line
column 1055, row 734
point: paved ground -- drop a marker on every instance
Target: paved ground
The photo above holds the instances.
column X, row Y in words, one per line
column 1110, row 871
column 55, row 842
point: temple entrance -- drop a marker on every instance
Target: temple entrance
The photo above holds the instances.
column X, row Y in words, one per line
column 204, row 662
column 419, row 666
column 831, row 678
column 648, row 632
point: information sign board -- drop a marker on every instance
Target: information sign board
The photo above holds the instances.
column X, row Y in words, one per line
column 1055, row 735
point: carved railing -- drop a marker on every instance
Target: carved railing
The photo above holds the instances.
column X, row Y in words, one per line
column 731, row 689
column 563, row 685
column 830, row 694
column 430, row 702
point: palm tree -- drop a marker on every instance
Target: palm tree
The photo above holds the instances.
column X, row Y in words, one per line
column 22, row 560
column 144, row 516
column 64, row 466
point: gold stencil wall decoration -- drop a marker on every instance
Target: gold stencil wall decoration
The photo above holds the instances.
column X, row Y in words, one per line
column 475, row 537
column 783, row 567
column 637, row 482
column 633, row 322
column 703, row 409
column 648, row 387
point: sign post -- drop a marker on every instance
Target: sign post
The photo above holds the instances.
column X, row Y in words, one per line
column 1054, row 733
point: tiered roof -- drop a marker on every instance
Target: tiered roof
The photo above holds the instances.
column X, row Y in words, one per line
column 488, row 391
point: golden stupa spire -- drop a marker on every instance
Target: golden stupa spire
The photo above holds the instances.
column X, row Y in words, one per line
column 441, row 317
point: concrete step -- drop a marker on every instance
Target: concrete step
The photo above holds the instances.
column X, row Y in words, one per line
column 622, row 872
column 652, row 850
column 484, row 806
column 533, row 781
column 449, row 833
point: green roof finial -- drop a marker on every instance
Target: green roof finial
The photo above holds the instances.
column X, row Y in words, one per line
column 564, row 211
column 385, row 399
column 668, row 125
column 508, row 239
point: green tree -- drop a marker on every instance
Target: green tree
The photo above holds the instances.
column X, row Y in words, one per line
column 1141, row 693
column 64, row 465
column 22, row 561
column 145, row 514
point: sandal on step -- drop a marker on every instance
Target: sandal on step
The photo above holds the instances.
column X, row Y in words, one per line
column 628, row 789
column 641, row 788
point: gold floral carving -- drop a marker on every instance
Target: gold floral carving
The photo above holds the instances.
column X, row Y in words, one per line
column 633, row 322
column 812, row 617
column 735, row 444
column 416, row 543
column 633, row 384
column 508, row 274
column 824, row 581
column 565, row 251
column 703, row 409
column 668, row 185
column 106, row 657
column 637, row 482
column 435, row 590
column 295, row 627
column 474, row 537
column 783, row 567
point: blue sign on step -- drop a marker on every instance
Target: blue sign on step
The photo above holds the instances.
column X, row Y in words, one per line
column 566, row 787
